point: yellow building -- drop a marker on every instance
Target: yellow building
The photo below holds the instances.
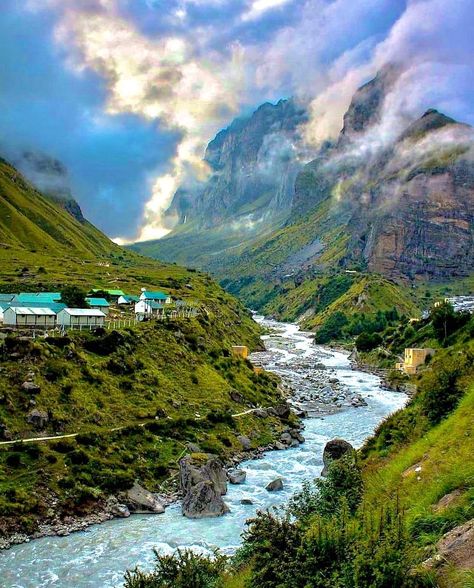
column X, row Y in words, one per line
column 240, row 351
column 414, row 357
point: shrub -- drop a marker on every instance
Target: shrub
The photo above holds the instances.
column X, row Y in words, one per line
column 13, row 460
column 183, row 569
column 368, row 341
column 331, row 328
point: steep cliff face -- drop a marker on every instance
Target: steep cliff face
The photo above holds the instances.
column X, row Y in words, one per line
column 253, row 165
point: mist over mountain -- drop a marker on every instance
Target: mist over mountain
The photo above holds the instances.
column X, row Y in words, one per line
column 397, row 192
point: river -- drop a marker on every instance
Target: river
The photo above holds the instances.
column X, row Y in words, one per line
column 98, row 557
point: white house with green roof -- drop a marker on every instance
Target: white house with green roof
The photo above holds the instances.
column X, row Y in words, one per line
column 155, row 296
column 98, row 303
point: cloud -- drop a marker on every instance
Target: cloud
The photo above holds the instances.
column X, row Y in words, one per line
column 258, row 8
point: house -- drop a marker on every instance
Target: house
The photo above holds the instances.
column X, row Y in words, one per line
column 158, row 296
column 414, row 357
column 126, row 299
column 148, row 308
column 112, row 294
column 81, row 317
column 99, row 304
column 33, row 303
column 45, row 298
column 6, row 298
column 22, row 316
column 240, row 351
column 3, row 307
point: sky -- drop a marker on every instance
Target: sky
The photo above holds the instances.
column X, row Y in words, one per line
column 127, row 93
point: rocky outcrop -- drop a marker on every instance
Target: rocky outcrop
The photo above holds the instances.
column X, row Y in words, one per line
column 38, row 418
column 140, row 500
column 203, row 485
column 245, row 442
column 455, row 549
column 254, row 158
column 334, row 450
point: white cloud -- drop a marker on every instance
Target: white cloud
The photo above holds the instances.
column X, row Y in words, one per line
column 258, row 8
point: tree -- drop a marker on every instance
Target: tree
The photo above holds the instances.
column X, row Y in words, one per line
column 368, row 341
column 74, row 297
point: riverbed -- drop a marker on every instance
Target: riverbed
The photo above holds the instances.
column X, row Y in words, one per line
column 99, row 556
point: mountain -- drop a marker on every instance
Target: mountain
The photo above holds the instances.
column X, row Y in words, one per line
column 50, row 223
column 252, row 166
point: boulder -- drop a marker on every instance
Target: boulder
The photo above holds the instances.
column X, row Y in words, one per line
column 286, row 438
column 117, row 509
column 31, row 387
column 202, row 486
column 140, row 500
column 236, row 396
column 245, row 442
column 275, row 485
column 246, row 501
column 261, row 413
column 5, row 434
column 236, row 476
column 333, row 451
column 282, row 410
column 38, row 418
column 203, row 500
column 279, row 446
column 194, row 448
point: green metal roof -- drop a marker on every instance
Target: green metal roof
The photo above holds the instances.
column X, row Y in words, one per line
column 97, row 301
column 110, row 292
column 27, row 297
column 130, row 298
column 155, row 295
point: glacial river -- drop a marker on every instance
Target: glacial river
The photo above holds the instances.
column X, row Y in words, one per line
column 98, row 557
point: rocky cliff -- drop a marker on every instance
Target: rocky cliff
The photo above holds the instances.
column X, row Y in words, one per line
column 252, row 168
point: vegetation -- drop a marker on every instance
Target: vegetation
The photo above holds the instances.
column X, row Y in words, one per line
column 380, row 512
column 135, row 397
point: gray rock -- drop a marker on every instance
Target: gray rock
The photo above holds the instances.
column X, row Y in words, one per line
column 117, row 509
column 295, row 443
column 38, row 418
column 237, row 397
column 31, row 387
column 194, row 448
column 275, row 485
column 245, row 442
column 203, row 500
column 5, row 434
column 192, row 473
column 282, row 410
column 286, row 438
column 333, row 451
column 236, row 476
column 261, row 413
column 140, row 500
column 279, row 446
column 246, row 501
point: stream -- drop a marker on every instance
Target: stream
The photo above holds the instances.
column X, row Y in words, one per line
column 99, row 556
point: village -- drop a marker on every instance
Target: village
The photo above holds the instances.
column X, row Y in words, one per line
column 101, row 308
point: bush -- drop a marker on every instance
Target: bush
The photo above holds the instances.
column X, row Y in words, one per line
column 183, row 569
column 331, row 329
column 367, row 341
column 13, row 460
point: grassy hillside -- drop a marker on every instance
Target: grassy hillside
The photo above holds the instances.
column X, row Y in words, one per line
column 30, row 221
column 135, row 397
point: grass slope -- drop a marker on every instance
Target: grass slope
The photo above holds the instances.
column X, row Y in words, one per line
column 161, row 384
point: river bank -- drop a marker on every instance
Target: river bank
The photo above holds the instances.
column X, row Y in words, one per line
column 99, row 555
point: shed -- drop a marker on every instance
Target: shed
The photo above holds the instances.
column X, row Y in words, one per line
column 98, row 303
column 22, row 316
column 81, row 317
column 127, row 299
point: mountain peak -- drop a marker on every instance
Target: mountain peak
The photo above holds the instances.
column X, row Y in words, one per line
column 431, row 120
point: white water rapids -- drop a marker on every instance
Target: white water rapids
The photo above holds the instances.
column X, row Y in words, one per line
column 99, row 556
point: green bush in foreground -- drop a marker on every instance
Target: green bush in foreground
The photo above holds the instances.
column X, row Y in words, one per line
column 183, row 569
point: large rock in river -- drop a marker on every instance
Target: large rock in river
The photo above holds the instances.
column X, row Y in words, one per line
column 140, row 500
column 333, row 451
column 203, row 486
column 203, row 500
